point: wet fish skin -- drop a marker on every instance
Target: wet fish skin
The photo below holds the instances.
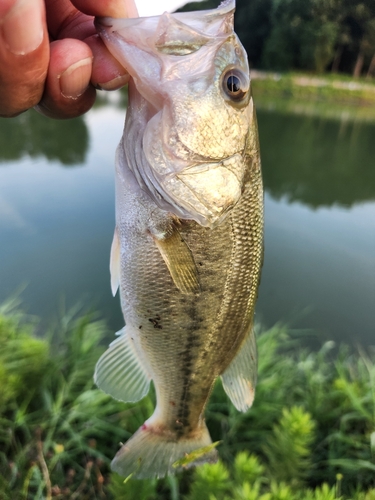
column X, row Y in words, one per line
column 188, row 271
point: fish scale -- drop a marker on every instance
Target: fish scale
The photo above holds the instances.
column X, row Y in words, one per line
column 188, row 245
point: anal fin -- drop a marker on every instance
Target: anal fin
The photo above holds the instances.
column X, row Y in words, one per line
column 120, row 372
column 180, row 262
column 239, row 379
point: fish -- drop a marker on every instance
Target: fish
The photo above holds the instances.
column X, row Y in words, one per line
column 187, row 250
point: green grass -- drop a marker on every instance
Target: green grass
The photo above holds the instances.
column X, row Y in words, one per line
column 319, row 87
column 328, row 95
column 310, row 434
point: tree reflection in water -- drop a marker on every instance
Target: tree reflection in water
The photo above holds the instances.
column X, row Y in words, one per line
column 34, row 135
column 317, row 161
column 56, row 226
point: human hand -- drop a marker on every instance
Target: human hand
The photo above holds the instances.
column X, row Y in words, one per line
column 51, row 57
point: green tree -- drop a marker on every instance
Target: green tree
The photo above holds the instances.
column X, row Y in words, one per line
column 304, row 34
column 355, row 47
column 312, row 35
column 252, row 22
column 253, row 25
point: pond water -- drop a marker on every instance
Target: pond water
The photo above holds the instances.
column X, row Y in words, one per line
column 57, row 218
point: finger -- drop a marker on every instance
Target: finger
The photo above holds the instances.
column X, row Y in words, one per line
column 110, row 8
column 75, row 18
column 64, row 20
column 24, row 54
column 107, row 72
column 68, row 92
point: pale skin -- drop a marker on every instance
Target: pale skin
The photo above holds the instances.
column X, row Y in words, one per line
column 51, row 57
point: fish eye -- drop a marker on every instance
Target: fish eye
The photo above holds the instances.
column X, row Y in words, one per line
column 235, row 84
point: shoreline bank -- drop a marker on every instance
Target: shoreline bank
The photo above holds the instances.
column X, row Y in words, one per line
column 331, row 96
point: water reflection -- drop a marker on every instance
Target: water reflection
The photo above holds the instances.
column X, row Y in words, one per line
column 67, row 141
column 56, row 224
column 316, row 161
column 319, row 270
column 31, row 134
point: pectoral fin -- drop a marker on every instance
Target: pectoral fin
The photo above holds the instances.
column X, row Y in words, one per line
column 114, row 263
column 239, row 379
column 180, row 262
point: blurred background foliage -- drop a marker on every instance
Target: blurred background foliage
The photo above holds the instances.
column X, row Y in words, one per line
column 312, row 35
column 310, row 434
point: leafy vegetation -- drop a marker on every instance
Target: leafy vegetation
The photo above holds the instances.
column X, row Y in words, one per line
column 309, row 436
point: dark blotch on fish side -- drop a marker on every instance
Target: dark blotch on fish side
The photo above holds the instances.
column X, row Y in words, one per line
column 155, row 322
column 187, row 357
column 193, row 341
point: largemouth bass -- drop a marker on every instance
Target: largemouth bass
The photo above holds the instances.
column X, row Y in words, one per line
column 188, row 244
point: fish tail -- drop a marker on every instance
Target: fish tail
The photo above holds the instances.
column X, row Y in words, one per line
column 154, row 452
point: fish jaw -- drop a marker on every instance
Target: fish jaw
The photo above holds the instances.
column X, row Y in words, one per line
column 194, row 134
column 149, row 47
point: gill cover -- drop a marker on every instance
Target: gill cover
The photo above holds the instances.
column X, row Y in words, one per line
column 190, row 108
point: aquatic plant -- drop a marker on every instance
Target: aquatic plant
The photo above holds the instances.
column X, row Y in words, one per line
column 309, row 436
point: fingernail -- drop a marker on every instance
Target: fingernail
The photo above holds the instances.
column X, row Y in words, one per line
column 116, row 83
column 75, row 80
column 22, row 27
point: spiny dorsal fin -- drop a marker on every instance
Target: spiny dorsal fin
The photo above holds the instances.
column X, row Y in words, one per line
column 239, row 379
column 115, row 263
column 180, row 262
column 120, row 372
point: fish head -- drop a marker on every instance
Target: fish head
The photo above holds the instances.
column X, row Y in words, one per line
column 191, row 85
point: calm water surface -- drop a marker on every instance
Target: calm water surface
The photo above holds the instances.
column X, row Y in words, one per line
column 57, row 218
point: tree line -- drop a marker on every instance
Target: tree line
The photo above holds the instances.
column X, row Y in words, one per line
column 310, row 35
